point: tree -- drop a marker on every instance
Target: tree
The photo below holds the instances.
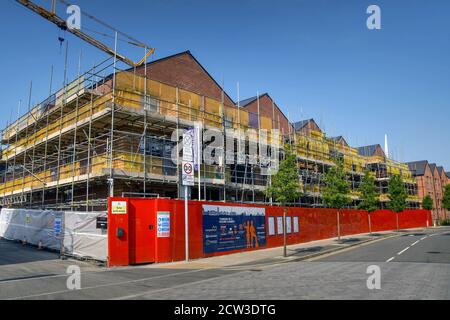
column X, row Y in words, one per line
column 336, row 192
column 369, row 195
column 285, row 185
column 446, row 199
column 427, row 203
column 397, row 194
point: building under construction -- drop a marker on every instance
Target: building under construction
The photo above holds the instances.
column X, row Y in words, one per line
column 109, row 133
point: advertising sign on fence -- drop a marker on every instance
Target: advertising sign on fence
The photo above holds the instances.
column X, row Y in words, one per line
column 233, row 228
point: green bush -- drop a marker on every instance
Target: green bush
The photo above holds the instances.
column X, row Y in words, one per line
column 445, row 223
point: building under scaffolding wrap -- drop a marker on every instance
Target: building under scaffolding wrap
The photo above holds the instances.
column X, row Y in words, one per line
column 109, row 132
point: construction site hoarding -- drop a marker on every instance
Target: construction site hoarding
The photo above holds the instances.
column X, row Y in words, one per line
column 79, row 233
column 217, row 228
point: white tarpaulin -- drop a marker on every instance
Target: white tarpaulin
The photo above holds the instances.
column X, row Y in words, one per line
column 77, row 230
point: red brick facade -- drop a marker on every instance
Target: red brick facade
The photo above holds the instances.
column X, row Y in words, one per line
column 268, row 108
column 185, row 72
column 431, row 182
column 309, row 126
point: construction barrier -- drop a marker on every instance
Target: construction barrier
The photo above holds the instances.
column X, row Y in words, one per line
column 153, row 230
column 83, row 235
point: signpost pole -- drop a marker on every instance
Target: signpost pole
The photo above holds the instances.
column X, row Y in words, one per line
column 188, row 179
column 186, row 222
column 284, row 234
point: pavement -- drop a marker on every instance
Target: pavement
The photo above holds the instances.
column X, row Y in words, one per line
column 414, row 264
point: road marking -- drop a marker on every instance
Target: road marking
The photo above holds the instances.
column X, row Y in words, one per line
column 403, row 251
column 89, row 271
column 391, row 259
column 423, row 238
column 135, row 296
column 106, row 285
column 415, row 243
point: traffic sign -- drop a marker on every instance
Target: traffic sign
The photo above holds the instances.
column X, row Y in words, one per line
column 188, row 177
column 188, row 146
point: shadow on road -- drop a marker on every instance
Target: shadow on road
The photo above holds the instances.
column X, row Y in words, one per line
column 350, row 240
column 414, row 234
column 308, row 250
column 15, row 253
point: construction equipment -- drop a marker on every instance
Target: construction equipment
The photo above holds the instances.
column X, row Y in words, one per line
column 62, row 24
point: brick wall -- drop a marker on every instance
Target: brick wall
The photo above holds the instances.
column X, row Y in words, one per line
column 269, row 109
column 185, row 72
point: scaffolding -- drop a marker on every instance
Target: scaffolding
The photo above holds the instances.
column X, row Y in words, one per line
column 110, row 132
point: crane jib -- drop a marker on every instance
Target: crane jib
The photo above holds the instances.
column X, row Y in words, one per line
column 62, row 24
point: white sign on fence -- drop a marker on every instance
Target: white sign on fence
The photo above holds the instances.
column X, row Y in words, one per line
column 163, row 222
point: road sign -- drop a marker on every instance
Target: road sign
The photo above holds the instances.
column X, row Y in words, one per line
column 188, row 146
column 197, row 136
column 188, row 177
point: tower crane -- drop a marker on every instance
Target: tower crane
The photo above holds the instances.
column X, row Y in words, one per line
column 62, row 24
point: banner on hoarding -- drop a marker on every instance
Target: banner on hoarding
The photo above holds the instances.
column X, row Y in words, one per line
column 233, row 228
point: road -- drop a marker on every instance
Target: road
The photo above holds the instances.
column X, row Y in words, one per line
column 413, row 266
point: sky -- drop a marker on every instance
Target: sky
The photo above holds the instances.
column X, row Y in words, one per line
column 316, row 58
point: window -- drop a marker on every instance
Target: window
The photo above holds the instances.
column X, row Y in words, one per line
column 253, row 120
column 150, row 104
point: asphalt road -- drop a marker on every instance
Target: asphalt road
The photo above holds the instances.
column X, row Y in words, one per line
column 413, row 266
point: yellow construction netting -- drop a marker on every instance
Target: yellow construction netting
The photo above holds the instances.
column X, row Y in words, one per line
column 54, row 127
column 311, row 148
column 185, row 105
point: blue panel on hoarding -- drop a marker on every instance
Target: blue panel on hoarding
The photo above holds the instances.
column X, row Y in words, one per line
column 233, row 228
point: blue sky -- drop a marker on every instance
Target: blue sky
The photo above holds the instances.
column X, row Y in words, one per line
column 313, row 55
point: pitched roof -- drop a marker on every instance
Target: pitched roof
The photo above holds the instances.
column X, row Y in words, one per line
column 301, row 124
column 339, row 139
column 432, row 167
column 186, row 53
column 440, row 170
column 368, row 151
column 246, row 102
column 448, row 174
column 418, row 167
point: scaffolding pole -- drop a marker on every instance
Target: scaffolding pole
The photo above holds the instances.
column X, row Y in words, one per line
column 111, row 169
column 75, row 131
column 64, row 101
column 89, row 137
column 26, row 133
